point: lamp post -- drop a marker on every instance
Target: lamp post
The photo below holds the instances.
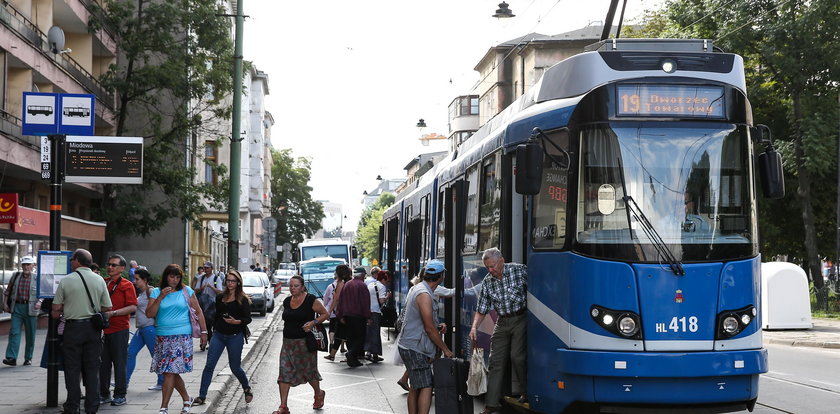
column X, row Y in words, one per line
column 235, row 144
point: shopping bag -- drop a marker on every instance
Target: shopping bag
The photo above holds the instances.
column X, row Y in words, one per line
column 477, row 378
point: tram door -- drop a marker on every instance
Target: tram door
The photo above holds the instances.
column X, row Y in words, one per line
column 392, row 232
column 413, row 246
column 453, row 207
column 450, row 306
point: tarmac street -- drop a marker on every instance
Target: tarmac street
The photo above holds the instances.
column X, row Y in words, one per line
column 368, row 389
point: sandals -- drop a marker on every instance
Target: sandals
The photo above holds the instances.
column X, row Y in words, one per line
column 187, row 405
column 164, row 411
column 330, row 357
column 404, row 385
column 198, row 401
column 319, row 400
column 249, row 396
column 282, row 410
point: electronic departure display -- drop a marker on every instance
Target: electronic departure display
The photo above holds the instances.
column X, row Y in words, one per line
column 671, row 100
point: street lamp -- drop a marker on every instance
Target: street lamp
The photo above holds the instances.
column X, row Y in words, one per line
column 503, row 12
column 378, row 177
column 421, row 123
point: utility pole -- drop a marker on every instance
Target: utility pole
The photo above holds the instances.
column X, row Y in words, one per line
column 57, row 142
column 235, row 144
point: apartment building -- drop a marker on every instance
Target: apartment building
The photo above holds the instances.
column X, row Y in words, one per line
column 27, row 64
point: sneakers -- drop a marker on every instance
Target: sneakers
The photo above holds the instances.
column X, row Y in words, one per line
column 118, row 401
column 104, row 400
column 27, row 362
column 156, row 387
column 10, row 362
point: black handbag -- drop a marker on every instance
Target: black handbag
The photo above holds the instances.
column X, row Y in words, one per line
column 316, row 339
column 389, row 316
column 99, row 320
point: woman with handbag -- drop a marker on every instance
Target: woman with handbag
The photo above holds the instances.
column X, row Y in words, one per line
column 298, row 363
column 171, row 306
column 233, row 314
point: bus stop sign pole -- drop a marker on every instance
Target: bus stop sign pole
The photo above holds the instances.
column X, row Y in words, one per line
column 56, row 178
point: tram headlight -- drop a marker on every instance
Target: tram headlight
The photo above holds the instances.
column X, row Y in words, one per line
column 669, row 66
column 730, row 325
column 733, row 322
column 625, row 324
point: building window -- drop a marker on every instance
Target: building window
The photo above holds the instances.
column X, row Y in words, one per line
column 463, row 106
column 211, row 160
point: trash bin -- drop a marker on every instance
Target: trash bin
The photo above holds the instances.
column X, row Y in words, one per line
column 785, row 299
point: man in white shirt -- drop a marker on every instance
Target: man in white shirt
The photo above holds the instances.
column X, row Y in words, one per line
column 378, row 296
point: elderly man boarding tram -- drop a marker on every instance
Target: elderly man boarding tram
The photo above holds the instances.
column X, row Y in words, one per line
column 504, row 288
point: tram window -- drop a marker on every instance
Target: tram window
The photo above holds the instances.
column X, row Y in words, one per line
column 441, row 225
column 471, row 220
column 490, row 209
column 549, row 231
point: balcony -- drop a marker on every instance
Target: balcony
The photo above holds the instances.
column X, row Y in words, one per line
column 15, row 21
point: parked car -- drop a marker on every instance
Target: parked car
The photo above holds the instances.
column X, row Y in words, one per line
column 258, row 288
column 283, row 273
column 319, row 273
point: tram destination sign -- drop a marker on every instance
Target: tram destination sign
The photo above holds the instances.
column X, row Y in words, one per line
column 670, row 101
column 104, row 160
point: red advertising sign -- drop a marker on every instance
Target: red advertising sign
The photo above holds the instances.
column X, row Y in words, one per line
column 31, row 221
column 8, row 207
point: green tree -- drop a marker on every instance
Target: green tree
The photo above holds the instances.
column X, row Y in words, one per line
column 367, row 235
column 170, row 81
column 298, row 215
column 792, row 77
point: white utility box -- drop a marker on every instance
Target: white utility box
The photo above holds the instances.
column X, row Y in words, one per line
column 785, row 300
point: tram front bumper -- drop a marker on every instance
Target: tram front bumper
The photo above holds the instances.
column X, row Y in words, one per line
column 656, row 378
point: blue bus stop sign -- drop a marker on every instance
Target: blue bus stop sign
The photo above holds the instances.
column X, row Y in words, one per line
column 53, row 113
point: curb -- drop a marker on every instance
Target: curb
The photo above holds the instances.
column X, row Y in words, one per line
column 804, row 343
column 214, row 394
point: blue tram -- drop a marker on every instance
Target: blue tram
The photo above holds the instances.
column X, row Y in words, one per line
column 625, row 180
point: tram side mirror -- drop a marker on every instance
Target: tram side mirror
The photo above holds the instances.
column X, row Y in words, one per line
column 354, row 252
column 769, row 165
column 529, row 163
column 772, row 174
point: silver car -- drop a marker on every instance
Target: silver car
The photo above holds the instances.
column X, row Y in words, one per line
column 258, row 288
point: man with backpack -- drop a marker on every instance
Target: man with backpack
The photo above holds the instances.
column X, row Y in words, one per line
column 208, row 286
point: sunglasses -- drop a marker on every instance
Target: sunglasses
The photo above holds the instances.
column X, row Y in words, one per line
column 114, row 265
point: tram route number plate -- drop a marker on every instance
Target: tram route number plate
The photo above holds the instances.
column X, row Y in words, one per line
column 679, row 324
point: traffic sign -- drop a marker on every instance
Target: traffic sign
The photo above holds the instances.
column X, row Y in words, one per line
column 77, row 115
column 104, row 160
column 39, row 113
column 58, row 113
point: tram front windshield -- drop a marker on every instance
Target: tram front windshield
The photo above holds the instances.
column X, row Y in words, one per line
column 690, row 180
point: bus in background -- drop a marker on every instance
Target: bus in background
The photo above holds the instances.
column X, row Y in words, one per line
column 335, row 248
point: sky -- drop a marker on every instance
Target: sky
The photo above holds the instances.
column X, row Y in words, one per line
column 349, row 80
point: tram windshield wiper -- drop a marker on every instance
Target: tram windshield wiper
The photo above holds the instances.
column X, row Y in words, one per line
column 633, row 209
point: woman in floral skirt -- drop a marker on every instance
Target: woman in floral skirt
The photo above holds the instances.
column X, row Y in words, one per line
column 170, row 306
column 298, row 364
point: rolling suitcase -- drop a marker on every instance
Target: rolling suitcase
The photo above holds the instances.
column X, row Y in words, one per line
column 450, row 382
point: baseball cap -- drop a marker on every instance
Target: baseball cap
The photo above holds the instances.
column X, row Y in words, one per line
column 359, row 271
column 27, row 260
column 209, row 264
column 435, row 267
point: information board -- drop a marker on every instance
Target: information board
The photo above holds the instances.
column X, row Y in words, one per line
column 104, row 160
column 52, row 267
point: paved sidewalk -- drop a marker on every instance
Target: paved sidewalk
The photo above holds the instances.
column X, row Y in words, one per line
column 24, row 387
column 824, row 334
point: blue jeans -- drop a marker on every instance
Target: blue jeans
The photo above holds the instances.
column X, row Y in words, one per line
column 234, row 344
column 20, row 316
column 143, row 337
